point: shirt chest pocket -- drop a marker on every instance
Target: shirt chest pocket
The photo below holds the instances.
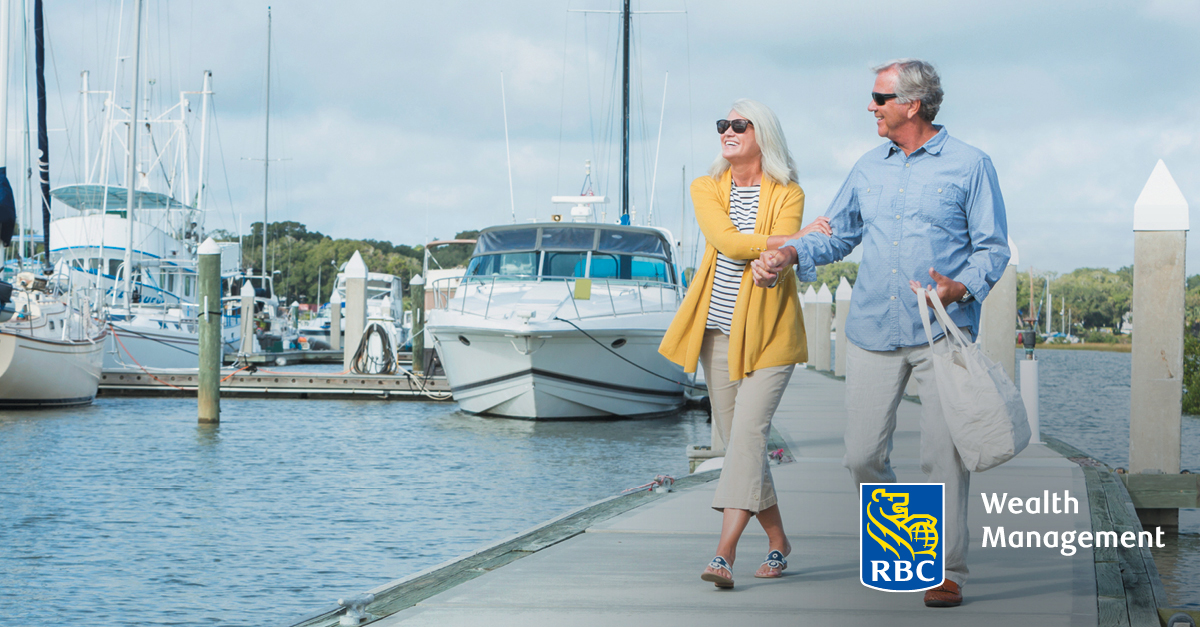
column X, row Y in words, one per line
column 868, row 202
column 944, row 205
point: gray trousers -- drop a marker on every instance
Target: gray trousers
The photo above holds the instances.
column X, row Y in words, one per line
column 875, row 382
column 742, row 411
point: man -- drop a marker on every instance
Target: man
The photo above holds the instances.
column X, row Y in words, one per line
column 922, row 204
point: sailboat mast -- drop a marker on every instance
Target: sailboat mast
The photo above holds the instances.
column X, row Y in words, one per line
column 625, row 17
column 266, row 151
column 131, row 144
column 39, row 56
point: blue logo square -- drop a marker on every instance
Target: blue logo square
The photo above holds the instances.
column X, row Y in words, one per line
column 901, row 536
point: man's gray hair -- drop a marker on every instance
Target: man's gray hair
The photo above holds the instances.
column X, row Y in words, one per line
column 916, row 80
column 777, row 160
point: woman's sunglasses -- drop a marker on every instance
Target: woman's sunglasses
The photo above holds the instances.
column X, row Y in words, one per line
column 881, row 99
column 739, row 125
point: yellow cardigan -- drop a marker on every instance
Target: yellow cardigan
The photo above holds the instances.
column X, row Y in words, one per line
column 768, row 327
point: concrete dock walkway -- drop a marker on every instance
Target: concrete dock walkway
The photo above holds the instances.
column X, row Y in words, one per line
column 643, row 566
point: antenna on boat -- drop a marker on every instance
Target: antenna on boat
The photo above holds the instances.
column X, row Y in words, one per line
column 504, row 105
column 266, row 150
column 657, row 149
column 130, row 177
column 625, row 19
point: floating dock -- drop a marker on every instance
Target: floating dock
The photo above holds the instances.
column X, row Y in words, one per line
column 637, row 559
column 277, row 384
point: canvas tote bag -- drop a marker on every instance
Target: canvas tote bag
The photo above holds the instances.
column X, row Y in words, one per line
column 983, row 409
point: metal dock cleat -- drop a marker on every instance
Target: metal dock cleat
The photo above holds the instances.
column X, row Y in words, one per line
column 356, row 609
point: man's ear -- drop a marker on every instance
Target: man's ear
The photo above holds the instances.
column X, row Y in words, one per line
column 913, row 108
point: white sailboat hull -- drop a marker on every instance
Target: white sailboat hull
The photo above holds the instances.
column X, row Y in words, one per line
column 42, row 373
column 556, row 372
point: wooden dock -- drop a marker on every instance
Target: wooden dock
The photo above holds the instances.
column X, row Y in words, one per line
column 636, row 559
column 278, row 384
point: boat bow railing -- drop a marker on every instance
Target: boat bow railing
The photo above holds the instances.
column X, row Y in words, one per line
column 452, row 294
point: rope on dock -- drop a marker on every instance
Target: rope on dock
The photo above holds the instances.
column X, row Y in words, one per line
column 139, row 365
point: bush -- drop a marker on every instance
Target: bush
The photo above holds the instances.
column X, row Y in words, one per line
column 1191, row 374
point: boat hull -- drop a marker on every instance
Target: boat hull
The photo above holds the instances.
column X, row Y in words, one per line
column 42, row 373
column 559, row 373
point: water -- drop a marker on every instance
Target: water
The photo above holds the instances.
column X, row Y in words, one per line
column 127, row 512
column 1084, row 401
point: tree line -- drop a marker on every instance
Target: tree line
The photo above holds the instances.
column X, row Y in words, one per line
column 299, row 258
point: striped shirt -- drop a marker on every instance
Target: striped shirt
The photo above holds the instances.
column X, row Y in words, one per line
column 743, row 209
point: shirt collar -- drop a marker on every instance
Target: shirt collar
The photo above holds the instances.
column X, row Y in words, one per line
column 933, row 146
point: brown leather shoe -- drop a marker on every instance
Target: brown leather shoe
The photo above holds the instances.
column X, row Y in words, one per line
column 946, row 595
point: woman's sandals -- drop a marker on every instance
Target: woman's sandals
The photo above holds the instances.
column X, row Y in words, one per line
column 716, row 572
column 772, row 567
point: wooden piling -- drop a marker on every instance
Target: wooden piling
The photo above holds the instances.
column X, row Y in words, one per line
column 416, row 298
column 808, row 300
column 335, row 321
column 208, row 395
column 1160, row 225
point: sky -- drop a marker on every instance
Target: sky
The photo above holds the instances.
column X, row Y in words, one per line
column 387, row 119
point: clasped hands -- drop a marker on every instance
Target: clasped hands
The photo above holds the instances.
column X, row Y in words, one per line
column 765, row 270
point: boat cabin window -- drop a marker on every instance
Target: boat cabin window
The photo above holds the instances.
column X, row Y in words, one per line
column 571, row 252
column 504, row 264
column 564, row 264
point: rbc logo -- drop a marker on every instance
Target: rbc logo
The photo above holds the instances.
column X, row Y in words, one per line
column 900, row 536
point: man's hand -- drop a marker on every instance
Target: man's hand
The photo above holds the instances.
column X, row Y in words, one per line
column 948, row 290
column 767, row 267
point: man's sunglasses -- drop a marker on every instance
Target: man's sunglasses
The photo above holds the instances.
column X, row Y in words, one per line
column 881, row 99
column 739, row 126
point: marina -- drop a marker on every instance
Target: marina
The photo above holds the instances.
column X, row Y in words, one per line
column 247, row 377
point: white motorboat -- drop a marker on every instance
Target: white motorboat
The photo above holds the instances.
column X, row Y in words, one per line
column 385, row 298
column 50, row 350
column 562, row 320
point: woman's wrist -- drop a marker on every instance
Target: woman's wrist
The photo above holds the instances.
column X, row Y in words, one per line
column 775, row 241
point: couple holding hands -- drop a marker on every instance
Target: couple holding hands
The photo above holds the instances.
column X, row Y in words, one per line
column 926, row 209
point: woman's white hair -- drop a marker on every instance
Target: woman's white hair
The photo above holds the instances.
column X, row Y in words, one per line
column 777, row 161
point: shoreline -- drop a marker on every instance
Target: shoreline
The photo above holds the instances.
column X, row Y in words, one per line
column 1087, row 346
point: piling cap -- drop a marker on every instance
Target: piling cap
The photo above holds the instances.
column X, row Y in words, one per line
column 355, row 268
column 844, row 292
column 209, row 247
column 417, row 280
column 824, row 295
column 1160, row 206
column 247, row 289
column 810, row 296
column 335, row 298
column 1013, row 258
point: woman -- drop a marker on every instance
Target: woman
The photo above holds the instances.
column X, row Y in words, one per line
column 747, row 338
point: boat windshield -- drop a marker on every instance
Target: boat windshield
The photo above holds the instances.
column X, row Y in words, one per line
column 571, row 252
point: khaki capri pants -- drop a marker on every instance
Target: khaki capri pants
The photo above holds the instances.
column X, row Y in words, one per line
column 742, row 412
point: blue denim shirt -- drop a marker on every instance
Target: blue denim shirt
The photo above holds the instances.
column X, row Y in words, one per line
column 939, row 208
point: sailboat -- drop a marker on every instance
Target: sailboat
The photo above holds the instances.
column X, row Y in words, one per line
column 562, row 320
column 50, row 342
column 138, row 248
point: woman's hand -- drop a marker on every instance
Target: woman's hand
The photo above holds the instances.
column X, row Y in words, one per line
column 761, row 275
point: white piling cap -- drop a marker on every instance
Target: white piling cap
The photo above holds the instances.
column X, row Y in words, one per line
column 1160, row 206
column 824, row 295
column 355, row 268
column 1013, row 259
column 417, row 280
column 209, row 247
column 335, row 298
column 844, row 292
column 247, row 289
column 810, row 295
